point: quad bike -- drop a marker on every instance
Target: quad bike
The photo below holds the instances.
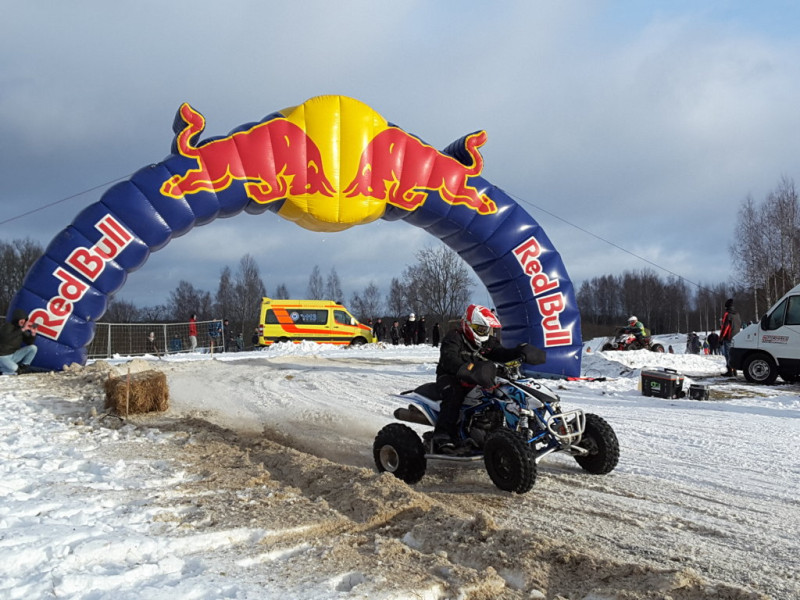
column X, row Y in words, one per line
column 625, row 340
column 510, row 426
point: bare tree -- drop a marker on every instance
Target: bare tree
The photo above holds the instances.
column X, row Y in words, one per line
column 186, row 299
column 367, row 305
column 316, row 286
column 333, row 287
column 249, row 290
column 121, row 311
column 226, row 295
column 16, row 259
column 439, row 284
column 396, row 299
column 282, row 292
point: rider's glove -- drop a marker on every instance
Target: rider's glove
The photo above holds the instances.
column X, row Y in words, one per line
column 481, row 373
column 531, row 354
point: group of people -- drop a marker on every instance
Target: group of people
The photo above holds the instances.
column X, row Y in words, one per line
column 412, row 332
column 730, row 325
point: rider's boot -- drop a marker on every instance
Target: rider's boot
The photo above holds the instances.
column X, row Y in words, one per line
column 442, row 443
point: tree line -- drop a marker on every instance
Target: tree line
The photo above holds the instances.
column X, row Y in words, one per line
column 765, row 254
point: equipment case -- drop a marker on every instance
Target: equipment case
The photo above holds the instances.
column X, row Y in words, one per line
column 698, row 391
column 662, row 383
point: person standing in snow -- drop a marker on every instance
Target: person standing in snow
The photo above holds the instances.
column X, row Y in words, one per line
column 410, row 330
column 422, row 333
column 394, row 333
column 731, row 325
column 713, row 342
column 17, row 347
column 693, row 343
column 193, row 332
column 379, row 331
column 435, row 335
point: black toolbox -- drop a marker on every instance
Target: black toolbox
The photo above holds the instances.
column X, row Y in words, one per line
column 662, row 383
column 699, row 391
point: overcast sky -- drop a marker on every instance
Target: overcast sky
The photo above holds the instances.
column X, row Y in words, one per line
column 643, row 123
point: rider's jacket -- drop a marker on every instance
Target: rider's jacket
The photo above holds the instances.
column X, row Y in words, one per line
column 456, row 351
column 637, row 329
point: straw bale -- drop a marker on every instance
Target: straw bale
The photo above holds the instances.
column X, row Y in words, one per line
column 135, row 393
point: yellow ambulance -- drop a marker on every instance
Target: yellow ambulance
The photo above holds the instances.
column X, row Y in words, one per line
column 321, row 321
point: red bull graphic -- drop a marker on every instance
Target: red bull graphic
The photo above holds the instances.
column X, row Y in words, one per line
column 326, row 165
column 275, row 159
column 401, row 169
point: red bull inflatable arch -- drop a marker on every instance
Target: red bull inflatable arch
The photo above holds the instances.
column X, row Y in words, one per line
column 328, row 164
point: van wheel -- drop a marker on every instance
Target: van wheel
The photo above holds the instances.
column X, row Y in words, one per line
column 359, row 341
column 282, row 340
column 760, row 368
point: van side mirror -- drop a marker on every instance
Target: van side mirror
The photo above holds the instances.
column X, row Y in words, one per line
column 764, row 322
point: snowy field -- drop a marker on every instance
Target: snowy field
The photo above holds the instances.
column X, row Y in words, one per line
column 259, row 483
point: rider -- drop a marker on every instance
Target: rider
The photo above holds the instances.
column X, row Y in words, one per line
column 636, row 327
column 467, row 358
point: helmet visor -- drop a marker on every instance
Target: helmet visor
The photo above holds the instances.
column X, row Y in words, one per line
column 481, row 330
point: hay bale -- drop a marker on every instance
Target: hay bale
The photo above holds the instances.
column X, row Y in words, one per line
column 135, row 393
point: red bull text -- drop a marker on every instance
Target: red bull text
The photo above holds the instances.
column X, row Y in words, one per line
column 550, row 305
column 89, row 264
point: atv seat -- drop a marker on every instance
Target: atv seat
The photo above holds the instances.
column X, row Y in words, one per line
column 429, row 390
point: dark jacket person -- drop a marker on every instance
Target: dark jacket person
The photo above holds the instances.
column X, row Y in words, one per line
column 16, row 343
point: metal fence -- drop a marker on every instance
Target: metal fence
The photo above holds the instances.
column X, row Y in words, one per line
column 132, row 339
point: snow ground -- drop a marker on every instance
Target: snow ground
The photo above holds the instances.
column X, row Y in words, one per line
column 258, row 482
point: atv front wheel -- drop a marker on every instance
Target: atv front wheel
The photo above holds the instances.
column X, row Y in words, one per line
column 399, row 450
column 608, row 346
column 601, row 442
column 509, row 461
column 657, row 348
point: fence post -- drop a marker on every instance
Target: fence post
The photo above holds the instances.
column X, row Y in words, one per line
column 108, row 350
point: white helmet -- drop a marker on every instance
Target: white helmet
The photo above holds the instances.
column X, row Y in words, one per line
column 477, row 324
column 632, row 320
column 412, row 317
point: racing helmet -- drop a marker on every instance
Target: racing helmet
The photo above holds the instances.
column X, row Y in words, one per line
column 632, row 320
column 477, row 324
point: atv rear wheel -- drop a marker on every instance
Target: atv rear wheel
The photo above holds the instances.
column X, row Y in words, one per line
column 509, row 461
column 601, row 442
column 399, row 450
column 608, row 346
column 657, row 348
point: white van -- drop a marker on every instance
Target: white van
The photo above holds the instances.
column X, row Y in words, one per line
column 771, row 347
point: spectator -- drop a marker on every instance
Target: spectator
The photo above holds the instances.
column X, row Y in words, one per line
column 731, row 325
column 256, row 338
column 410, row 330
column 422, row 333
column 226, row 334
column 379, row 331
column 175, row 344
column 17, row 347
column 693, row 344
column 713, row 342
column 435, row 335
column 394, row 333
column 151, row 344
column 193, row 332
column 215, row 333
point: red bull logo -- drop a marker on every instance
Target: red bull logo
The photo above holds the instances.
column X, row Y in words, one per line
column 549, row 299
column 401, row 169
column 275, row 159
column 335, row 161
